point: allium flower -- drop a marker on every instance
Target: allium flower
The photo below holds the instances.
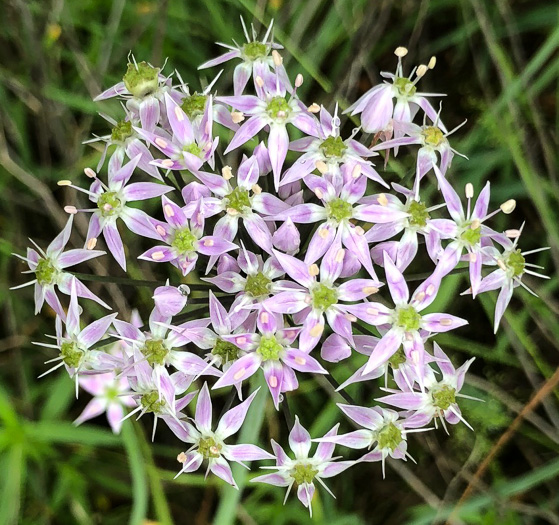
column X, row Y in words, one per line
column 260, row 280
column 512, row 266
column 467, row 230
column 417, row 221
column 154, row 391
column 255, row 56
column 244, row 201
column 382, row 428
column 48, row 267
column 272, row 109
column 407, row 326
column 335, row 215
column 438, row 399
column 327, row 152
column 107, row 391
column 377, row 106
column 143, row 87
column 185, row 239
column 432, row 140
column 270, row 350
column 195, row 104
column 111, row 201
column 210, row 445
column 127, row 141
column 303, row 470
column 313, row 299
column 75, row 352
column 189, row 146
column 159, row 347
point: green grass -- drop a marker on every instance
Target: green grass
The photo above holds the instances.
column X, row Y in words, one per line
column 498, row 62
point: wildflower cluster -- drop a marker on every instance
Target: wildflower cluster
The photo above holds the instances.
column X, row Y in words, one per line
column 293, row 245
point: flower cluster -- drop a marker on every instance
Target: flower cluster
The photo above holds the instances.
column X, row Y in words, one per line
column 294, row 246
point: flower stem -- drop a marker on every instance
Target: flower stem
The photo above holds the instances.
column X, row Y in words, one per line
column 227, row 510
column 132, row 282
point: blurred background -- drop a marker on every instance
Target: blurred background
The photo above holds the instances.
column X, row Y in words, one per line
column 499, row 64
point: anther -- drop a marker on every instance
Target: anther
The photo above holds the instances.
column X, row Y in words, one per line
column 469, row 190
column 237, row 116
column 64, row 183
column 322, row 167
column 313, row 270
column 227, row 172
column 157, row 256
column 90, row 173
column 278, row 60
column 72, row 210
column 91, row 243
column 168, row 209
column 401, row 52
column 382, row 200
column 313, row 108
column 508, row 206
column 432, row 62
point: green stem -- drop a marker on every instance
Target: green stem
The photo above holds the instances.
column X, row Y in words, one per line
column 227, row 510
column 131, row 282
column 138, row 474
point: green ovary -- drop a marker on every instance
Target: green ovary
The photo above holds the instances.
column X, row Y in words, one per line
column 390, row 436
column 45, row 272
column 443, row 397
column 418, row 214
column 141, row 79
column 269, row 348
column 155, row 351
column 226, row 351
column 471, row 236
column 408, row 319
column 72, row 354
column 257, row 285
column 333, row 147
column 151, row 403
column 238, row 199
column 121, row 131
column 193, row 149
column 255, row 50
column 432, row 136
column 399, row 358
column 516, row 262
column 209, row 448
column 184, row 241
column 338, row 209
column 109, row 203
column 323, row 297
column 302, row 473
column 277, row 105
column 194, row 105
column 405, row 87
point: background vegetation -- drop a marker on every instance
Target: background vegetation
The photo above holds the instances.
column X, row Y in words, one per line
column 498, row 62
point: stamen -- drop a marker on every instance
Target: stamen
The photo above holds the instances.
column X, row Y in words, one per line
column 382, row 200
column 298, row 80
column 258, row 81
column 90, row 173
column 91, row 243
column 432, row 62
column 340, row 255
column 401, row 52
column 469, row 190
column 157, row 256
column 167, row 163
column 316, row 330
column 323, row 168
column 237, row 116
column 71, row 210
column 278, row 60
column 227, row 172
column 508, row 206
column 239, row 374
column 64, row 183
column 169, row 210
column 313, row 108
column 313, row 270
column 162, row 143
